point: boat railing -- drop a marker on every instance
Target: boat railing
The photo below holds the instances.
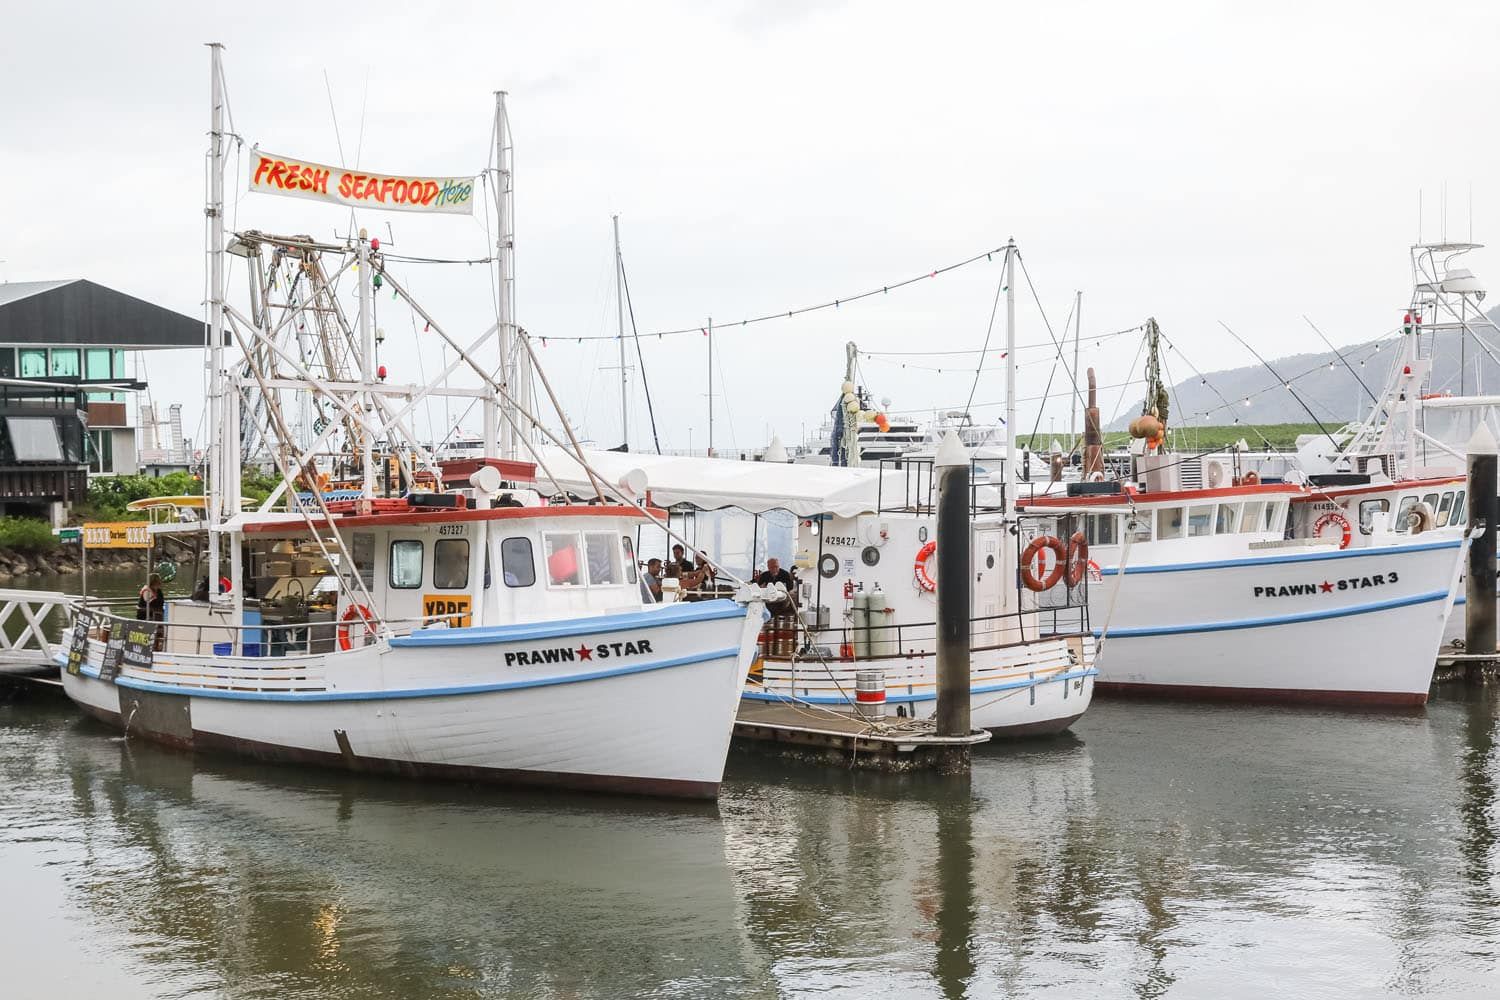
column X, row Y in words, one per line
column 906, row 640
column 256, row 639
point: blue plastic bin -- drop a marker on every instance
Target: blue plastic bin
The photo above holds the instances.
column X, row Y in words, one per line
column 223, row 648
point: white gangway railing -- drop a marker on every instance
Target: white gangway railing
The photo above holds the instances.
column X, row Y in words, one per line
column 31, row 648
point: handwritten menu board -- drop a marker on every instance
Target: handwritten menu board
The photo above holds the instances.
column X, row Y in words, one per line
column 78, row 642
column 109, row 667
column 140, row 642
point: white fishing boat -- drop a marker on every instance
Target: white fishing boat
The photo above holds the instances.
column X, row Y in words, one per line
column 474, row 633
column 863, row 641
column 1206, row 597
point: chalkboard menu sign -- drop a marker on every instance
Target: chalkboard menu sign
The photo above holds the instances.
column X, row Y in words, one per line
column 78, row 642
column 140, row 642
column 110, row 665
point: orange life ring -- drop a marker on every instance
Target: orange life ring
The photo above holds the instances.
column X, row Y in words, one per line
column 353, row 611
column 1078, row 558
column 1095, row 575
column 919, row 569
column 1334, row 517
column 1250, row 479
column 1028, row 575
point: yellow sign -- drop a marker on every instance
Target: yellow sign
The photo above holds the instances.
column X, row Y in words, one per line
column 117, row 535
column 455, row 609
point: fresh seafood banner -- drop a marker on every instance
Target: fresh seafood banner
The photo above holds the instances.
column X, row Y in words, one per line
column 283, row 175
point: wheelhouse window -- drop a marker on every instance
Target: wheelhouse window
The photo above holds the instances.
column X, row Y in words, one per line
column 1457, row 517
column 1200, row 521
column 450, row 563
column 406, row 564
column 603, row 558
column 1255, row 513
column 1138, row 528
column 1102, row 529
column 1227, row 520
column 1407, row 503
column 1169, row 522
column 1367, row 511
column 1275, row 516
column 362, row 549
column 628, row 552
column 517, row 564
column 1445, row 509
column 564, row 566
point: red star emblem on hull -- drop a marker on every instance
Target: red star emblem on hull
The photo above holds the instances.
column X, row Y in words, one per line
column 585, row 653
column 1327, row 587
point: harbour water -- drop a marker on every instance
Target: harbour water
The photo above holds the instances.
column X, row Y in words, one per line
column 1160, row 850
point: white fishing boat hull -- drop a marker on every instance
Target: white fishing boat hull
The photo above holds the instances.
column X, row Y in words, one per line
column 1024, row 689
column 649, row 709
column 1352, row 627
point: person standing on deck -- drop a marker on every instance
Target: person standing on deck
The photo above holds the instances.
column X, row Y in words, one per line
column 680, row 564
column 151, row 604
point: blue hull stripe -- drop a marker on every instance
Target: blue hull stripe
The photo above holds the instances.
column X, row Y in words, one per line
column 1366, row 553
column 818, row 699
column 1307, row 616
column 484, row 635
column 320, row 696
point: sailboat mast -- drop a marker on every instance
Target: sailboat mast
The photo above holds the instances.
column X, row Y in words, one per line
column 1012, row 478
column 620, row 316
column 217, row 460
column 508, row 446
column 710, row 332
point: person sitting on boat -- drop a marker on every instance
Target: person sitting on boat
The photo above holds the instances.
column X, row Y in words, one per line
column 774, row 574
column 699, row 582
column 151, row 604
column 200, row 592
column 651, row 579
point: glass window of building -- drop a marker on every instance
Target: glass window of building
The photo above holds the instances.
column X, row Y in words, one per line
column 64, row 362
column 33, row 362
column 96, row 363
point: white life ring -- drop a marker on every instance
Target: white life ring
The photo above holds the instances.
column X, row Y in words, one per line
column 1336, row 518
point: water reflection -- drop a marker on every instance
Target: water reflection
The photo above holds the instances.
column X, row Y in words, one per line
column 1163, row 851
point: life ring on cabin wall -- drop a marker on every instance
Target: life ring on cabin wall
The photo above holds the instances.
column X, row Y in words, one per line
column 1250, row 479
column 920, row 572
column 353, row 611
column 1078, row 558
column 1029, row 575
column 1334, row 517
column 1095, row 574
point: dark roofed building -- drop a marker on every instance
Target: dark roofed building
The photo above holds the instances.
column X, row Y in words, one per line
column 65, row 383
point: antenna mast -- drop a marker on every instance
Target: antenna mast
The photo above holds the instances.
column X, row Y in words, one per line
column 508, row 446
column 1012, row 478
column 620, row 316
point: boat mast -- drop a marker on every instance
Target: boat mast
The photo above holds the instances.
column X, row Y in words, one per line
column 217, row 459
column 366, row 368
column 1077, row 400
column 710, row 333
column 1011, row 475
column 620, row 316
column 507, row 444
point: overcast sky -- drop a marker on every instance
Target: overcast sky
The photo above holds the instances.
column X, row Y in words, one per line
column 1196, row 162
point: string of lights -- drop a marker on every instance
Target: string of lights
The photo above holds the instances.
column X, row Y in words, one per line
column 799, row 311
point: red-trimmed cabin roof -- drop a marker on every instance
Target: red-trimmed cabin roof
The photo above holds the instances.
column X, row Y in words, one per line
column 1143, row 498
column 421, row 516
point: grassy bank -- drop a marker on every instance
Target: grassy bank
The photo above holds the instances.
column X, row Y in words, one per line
column 1202, row 438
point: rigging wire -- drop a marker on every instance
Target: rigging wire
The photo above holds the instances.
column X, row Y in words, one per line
column 640, row 358
column 1000, row 286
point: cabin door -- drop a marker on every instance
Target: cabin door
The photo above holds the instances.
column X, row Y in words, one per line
column 989, row 584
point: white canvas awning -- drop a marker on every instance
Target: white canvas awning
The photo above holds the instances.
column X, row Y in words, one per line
column 714, row 483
